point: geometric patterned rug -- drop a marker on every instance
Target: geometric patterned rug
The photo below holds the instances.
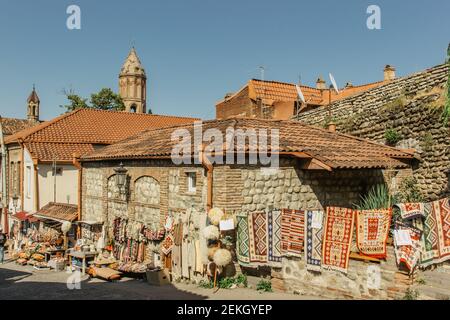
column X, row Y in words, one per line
column 258, row 237
column 313, row 239
column 242, row 241
column 292, row 232
column 411, row 210
column 436, row 233
column 338, row 233
column 274, row 238
column 409, row 255
column 372, row 230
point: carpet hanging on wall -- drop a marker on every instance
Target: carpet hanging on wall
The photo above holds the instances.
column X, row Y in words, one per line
column 258, row 237
column 313, row 239
column 408, row 255
column 435, row 240
column 292, row 232
column 338, row 232
column 242, row 241
column 372, row 230
column 411, row 210
column 274, row 238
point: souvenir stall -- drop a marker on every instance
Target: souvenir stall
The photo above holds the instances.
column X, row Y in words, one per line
column 197, row 245
column 45, row 243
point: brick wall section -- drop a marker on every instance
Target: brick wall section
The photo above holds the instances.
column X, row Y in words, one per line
column 240, row 105
column 411, row 106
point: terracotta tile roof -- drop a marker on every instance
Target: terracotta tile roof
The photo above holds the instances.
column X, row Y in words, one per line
column 59, row 211
column 80, row 130
column 12, row 125
column 333, row 149
column 282, row 91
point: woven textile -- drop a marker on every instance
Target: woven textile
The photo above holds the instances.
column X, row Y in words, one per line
column 408, row 255
column 436, row 233
column 411, row 210
column 242, row 242
column 292, row 232
column 167, row 244
column 372, row 230
column 338, row 232
column 258, row 237
column 274, row 238
column 313, row 239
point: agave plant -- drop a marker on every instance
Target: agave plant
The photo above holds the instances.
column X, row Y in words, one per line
column 377, row 198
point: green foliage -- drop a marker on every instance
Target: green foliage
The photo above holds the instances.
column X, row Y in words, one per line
column 411, row 294
column 395, row 105
column 225, row 283
column 421, row 281
column 427, row 141
column 206, row 284
column 446, row 111
column 264, row 286
column 408, row 191
column 105, row 99
column 377, row 198
column 392, row 136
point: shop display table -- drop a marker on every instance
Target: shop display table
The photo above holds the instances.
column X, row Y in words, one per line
column 80, row 255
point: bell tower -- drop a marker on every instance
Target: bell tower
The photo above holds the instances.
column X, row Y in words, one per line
column 133, row 84
column 33, row 106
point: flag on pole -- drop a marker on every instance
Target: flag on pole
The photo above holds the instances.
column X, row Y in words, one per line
column 333, row 83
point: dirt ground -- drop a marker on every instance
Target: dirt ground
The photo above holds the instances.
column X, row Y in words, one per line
column 25, row 282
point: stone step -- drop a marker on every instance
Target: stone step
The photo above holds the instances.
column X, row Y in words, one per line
column 433, row 292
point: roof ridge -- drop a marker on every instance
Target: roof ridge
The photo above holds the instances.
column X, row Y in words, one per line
column 136, row 114
column 32, row 130
column 288, row 83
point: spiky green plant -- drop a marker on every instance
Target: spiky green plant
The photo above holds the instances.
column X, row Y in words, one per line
column 378, row 197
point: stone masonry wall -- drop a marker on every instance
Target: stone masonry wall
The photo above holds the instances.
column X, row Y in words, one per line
column 410, row 106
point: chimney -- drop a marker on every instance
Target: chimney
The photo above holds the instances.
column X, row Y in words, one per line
column 389, row 73
column 332, row 127
column 320, row 83
column 348, row 85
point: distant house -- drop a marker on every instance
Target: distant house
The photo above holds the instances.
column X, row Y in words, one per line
column 45, row 170
column 279, row 100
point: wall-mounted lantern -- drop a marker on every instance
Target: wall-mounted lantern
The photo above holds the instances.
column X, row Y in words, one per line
column 121, row 178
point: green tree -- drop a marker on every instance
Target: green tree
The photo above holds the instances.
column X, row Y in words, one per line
column 105, row 99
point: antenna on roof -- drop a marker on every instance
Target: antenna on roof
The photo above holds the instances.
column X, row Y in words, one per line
column 262, row 69
column 333, row 83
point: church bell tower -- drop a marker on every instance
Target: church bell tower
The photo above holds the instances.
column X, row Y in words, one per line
column 132, row 84
column 33, row 106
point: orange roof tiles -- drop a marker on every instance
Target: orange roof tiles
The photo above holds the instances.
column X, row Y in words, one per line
column 333, row 149
column 281, row 91
column 78, row 132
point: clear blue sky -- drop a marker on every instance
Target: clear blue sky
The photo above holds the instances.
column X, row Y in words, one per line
column 195, row 51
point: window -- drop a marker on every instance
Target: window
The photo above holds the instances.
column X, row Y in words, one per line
column 191, row 182
column 28, row 180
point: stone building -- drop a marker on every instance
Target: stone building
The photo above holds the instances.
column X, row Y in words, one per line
column 133, row 84
column 406, row 113
column 279, row 100
column 45, row 167
column 317, row 168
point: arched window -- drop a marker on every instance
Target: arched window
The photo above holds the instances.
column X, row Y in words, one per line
column 133, row 108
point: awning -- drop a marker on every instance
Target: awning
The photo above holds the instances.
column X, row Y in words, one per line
column 59, row 212
column 24, row 216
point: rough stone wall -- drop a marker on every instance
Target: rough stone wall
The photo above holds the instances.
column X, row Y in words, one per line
column 410, row 106
column 155, row 187
column 364, row 280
